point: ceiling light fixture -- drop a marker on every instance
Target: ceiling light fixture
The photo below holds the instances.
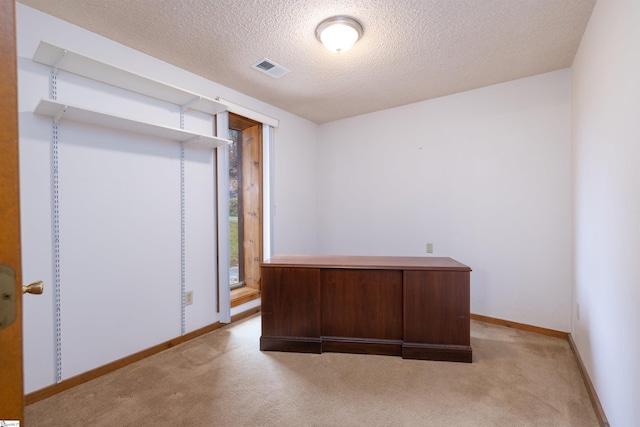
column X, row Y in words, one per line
column 339, row 33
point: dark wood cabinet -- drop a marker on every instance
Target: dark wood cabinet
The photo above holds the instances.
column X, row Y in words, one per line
column 413, row 307
column 291, row 309
column 361, row 310
column 436, row 315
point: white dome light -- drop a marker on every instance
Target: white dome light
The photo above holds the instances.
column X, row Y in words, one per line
column 339, row 33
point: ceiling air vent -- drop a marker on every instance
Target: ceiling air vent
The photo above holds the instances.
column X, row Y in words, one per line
column 269, row 67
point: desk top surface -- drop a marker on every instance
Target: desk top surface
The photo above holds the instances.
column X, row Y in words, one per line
column 365, row 262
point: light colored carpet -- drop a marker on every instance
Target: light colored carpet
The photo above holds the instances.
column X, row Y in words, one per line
column 517, row 378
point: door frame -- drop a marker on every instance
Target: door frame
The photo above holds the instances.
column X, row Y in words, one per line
column 11, row 364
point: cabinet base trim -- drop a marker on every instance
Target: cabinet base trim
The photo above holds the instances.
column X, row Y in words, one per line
column 362, row 346
column 450, row 353
column 292, row 344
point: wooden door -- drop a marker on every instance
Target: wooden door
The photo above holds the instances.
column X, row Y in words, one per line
column 11, row 376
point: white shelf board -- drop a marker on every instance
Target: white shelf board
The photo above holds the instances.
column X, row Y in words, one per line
column 82, row 65
column 64, row 111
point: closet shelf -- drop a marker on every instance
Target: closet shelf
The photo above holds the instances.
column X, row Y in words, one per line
column 82, row 65
column 63, row 111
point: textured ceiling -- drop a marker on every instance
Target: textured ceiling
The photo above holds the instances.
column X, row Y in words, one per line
column 411, row 50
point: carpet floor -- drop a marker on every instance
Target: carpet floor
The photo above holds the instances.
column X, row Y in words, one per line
column 517, row 378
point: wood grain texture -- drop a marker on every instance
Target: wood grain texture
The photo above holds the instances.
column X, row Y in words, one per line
column 292, row 344
column 362, row 346
column 368, row 305
column 11, row 364
column 251, row 153
column 361, row 303
column 242, row 295
column 291, row 302
column 436, row 307
column 448, row 353
column 366, row 262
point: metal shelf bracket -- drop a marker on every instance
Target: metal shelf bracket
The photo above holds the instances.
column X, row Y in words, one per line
column 59, row 60
column 59, row 115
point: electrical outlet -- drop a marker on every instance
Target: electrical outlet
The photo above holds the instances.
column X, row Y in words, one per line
column 188, row 298
column 429, row 248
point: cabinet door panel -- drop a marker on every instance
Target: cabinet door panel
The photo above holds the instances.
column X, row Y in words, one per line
column 436, row 307
column 291, row 302
column 362, row 303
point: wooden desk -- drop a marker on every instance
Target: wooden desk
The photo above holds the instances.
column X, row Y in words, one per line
column 414, row 307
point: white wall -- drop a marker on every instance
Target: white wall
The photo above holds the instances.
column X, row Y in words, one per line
column 483, row 175
column 606, row 140
column 296, row 187
column 120, row 207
